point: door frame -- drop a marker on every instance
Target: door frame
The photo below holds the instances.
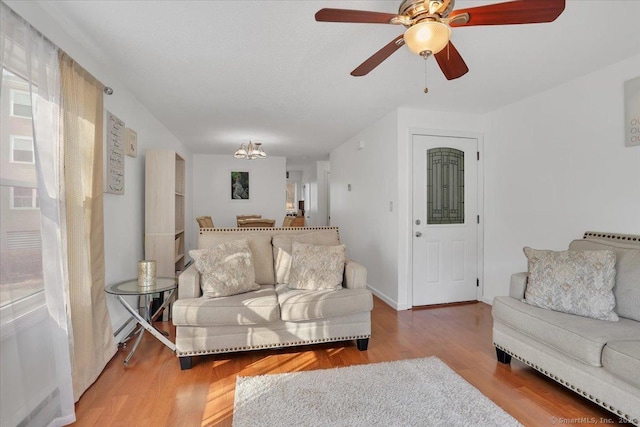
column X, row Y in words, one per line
column 409, row 220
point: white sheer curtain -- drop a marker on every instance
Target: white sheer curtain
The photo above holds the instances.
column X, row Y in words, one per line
column 36, row 383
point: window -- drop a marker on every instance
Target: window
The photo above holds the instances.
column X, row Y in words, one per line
column 24, row 198
column 21, row 275
column 20, row 103
column 22, row 149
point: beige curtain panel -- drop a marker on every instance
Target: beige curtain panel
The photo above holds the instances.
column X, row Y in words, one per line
column 92, row 344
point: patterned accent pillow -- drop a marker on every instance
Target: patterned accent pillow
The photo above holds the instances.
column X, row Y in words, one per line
column 282, row 249
column 316, row 267
column 575, row 282
column 226, row 269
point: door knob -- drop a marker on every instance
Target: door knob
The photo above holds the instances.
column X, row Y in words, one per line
column 418, row 234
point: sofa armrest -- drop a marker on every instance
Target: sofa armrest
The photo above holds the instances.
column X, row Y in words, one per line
column 355, row 275
column 518, row 285
column 189, row 283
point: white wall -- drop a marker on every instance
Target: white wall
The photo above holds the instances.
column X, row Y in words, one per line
column 212, row 188
column 556, row 166
column 323, row 168
column 367, row 227
column 123, row 215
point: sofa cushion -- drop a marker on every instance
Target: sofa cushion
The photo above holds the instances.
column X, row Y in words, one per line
column 315, row 267
column 260, row 245
column 251, row 308
column 622, row 359
column 627, row 287
column 226, row 269
column 300, row 305
column 579, row 337
column 282, row 249
column 576, row 282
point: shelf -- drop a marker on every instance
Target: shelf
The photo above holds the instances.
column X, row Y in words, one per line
column 165, row 195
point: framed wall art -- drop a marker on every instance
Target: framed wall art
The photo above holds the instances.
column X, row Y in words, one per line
column 131, row 148
column 239, row 185
column 115, row 155
column 632, row 112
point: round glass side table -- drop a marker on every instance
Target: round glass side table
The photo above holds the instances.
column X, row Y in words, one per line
column 144, row 317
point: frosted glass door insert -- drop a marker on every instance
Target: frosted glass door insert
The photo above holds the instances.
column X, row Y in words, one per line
column 445, row 186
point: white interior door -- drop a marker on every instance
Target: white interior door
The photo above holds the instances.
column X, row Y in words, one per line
column 445, row 227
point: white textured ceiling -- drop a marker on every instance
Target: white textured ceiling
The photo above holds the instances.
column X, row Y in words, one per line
column 218, row 73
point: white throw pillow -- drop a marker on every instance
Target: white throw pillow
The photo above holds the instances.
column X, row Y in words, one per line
column 575, row 282
column 226, row 269
column 316, row 267
column 282, row 249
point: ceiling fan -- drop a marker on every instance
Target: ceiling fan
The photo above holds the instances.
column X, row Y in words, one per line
column 428, row 25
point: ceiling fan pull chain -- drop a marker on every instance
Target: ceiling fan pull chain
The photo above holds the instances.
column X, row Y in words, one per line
column 426, row 89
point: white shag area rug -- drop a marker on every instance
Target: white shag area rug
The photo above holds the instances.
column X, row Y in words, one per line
column 415, row 392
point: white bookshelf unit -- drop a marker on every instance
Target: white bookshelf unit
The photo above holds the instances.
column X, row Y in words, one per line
column 164, row 238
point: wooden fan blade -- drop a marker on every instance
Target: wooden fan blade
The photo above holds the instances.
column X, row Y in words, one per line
column 513, row 12
column 451, row 63
column 377, row 58
column 358, row 16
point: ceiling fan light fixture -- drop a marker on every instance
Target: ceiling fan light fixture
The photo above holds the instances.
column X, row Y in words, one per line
column 427, row 36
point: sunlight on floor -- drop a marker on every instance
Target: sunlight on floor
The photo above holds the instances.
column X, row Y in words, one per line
column 221, row 393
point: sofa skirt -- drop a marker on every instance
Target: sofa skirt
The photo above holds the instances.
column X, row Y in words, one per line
column 594, row 383
column 197, row 340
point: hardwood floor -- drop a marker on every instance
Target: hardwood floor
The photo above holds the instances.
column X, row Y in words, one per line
column 153, row 390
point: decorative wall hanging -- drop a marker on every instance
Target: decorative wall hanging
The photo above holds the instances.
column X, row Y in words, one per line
column 132, row 143
column 239, row 185
column 115, row 155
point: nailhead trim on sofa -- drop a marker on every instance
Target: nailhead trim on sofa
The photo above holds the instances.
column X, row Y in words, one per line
column 279, row 345
column 571, row 386
column 610, row 236
column 246, row 229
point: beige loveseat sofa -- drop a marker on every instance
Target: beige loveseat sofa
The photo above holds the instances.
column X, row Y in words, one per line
column 598, row 359
column 274, row 315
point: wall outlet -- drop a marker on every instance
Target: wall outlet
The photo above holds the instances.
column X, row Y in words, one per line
column 348, row 187
column 390, row 206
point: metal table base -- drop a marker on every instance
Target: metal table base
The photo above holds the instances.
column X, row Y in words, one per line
column 142, row 315
column 145, row 323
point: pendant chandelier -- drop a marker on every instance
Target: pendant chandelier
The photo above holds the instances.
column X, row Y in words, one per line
column 250, row 152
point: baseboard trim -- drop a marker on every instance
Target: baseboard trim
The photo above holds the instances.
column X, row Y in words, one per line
column 446, row 304
column 389, row 301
